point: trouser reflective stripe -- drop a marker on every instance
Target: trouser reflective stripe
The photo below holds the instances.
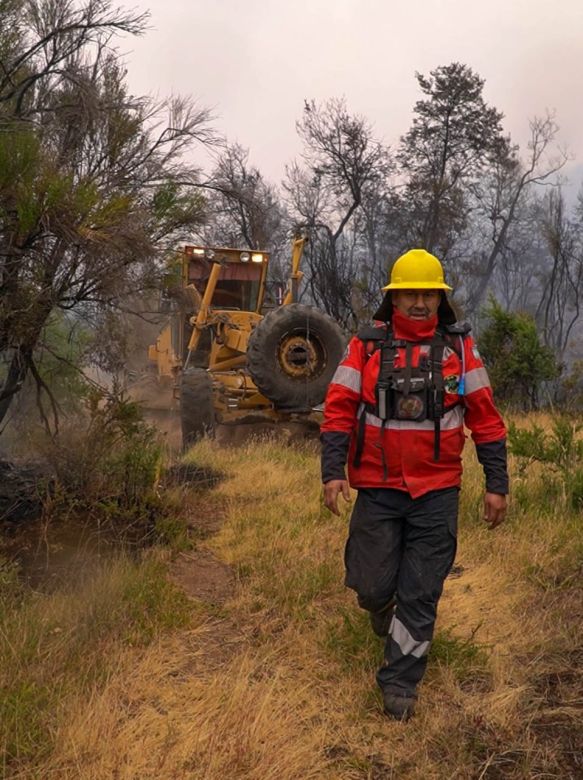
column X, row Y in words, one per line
column 407, row 645
column 406, row 546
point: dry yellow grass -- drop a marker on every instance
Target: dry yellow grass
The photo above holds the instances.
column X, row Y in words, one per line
column 278, row 682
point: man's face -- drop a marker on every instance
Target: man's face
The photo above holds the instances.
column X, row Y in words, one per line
column 417, row 304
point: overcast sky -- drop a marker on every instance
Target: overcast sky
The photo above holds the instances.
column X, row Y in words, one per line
column 255, row 61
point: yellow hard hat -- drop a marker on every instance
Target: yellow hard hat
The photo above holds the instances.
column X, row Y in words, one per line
column 417, row 270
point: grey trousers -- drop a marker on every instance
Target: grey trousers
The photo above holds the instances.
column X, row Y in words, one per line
column 402, row 547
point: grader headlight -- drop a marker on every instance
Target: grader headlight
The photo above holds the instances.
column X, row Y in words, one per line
column 257, row 257
column 244, row 257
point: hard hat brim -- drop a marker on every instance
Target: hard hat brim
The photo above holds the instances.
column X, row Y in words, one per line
column 417, row 286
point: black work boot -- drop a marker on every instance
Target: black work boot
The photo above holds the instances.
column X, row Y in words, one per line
column 381, row 620
column 399, row 707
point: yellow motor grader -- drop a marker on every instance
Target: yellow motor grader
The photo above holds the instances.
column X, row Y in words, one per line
column 225, row 360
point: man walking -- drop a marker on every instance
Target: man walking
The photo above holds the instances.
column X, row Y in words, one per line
column 395, row 413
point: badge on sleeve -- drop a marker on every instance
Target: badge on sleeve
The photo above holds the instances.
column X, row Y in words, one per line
column 451, row 383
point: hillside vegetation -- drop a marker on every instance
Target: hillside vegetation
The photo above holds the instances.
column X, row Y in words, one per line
column 243, row 656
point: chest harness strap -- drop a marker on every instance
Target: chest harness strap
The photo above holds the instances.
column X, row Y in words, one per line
column 413, row 393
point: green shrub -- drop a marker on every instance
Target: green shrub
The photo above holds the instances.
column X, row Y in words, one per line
column 561, row 450
column 108, row 463
column 516, row 360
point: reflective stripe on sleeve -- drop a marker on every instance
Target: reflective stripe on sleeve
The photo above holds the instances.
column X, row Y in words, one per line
column 476, row 379
column 348, row 377
column 407, row 644
column 450, row 420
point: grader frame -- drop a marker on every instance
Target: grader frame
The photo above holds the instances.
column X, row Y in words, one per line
column 219, row 339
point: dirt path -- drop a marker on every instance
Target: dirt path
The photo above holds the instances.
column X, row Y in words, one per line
column 201, row 575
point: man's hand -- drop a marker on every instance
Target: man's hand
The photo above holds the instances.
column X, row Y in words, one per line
column 331, row 491
column 494, row 509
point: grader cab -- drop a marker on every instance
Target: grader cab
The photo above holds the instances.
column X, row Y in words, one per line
column 225, row 359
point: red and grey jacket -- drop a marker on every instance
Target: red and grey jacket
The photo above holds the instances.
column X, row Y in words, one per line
column 404, row 450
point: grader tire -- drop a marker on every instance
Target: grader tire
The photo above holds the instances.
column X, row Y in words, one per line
column 197, row 414
column 293, row 354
